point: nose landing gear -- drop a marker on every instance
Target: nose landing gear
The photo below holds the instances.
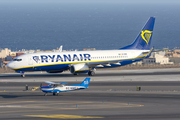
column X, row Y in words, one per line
column 23, row 75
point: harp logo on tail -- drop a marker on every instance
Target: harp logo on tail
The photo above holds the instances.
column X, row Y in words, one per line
column 146, row 35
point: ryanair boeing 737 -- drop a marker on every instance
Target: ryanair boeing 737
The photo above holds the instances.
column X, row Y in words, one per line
column 86, row 61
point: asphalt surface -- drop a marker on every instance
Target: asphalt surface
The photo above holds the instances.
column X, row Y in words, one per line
column 108, row 97
column 32, row 75
column 103, row 105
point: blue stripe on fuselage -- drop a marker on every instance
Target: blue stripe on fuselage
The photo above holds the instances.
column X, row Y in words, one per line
column 45, row 67
column 65, row 66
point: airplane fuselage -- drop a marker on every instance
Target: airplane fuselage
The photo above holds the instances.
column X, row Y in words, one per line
column 49, row 89
column 61, row 60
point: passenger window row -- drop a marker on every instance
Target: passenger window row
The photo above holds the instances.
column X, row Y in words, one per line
column 108, row 57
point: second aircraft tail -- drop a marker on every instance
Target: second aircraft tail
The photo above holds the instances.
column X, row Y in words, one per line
column 85, row 83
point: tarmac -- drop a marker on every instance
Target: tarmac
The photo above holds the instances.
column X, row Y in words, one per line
column 111, row 95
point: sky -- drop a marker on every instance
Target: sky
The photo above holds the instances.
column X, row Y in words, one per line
column 27, row 22
column 92, row 1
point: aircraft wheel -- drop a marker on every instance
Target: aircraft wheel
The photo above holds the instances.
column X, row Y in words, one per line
column 57, row 93
column 54, row 93
column 91, row 73
column 76, row 73
column 23, row 75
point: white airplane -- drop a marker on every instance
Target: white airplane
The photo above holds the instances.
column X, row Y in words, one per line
column 60, row 48
column 86, row 61
column 56, row 88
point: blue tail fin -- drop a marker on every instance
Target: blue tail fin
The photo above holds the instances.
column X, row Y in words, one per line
column 85, row 83
column 143, row 40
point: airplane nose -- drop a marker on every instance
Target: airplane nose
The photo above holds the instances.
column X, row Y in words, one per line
column 10, row 65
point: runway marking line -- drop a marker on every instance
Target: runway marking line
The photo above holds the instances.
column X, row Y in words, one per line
column 176, row 69
column 115, row 70
column 62, row 116
column 166, row 96
column 22, row 111
column 17, row 102
column 145, row 117
column 70, row 105
column 97, row 105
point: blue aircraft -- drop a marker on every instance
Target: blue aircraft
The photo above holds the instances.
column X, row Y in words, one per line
column 56, row 88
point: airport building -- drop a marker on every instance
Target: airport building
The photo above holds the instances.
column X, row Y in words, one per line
column 157, row 57
column 160, row 58
column 174, row 56
column 4, row 52
column 173, row 53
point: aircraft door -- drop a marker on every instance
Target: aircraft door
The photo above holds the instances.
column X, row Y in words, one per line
column 30, row 61
column 132, row 54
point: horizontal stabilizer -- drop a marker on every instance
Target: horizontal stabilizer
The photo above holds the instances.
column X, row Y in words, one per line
column 149, row 54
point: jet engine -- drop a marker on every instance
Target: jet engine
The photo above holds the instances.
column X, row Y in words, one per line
column 79, row 68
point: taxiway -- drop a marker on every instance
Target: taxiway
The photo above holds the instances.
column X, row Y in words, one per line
column 111, row 95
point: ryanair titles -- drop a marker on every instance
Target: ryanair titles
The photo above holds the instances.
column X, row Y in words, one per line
column 62, row 58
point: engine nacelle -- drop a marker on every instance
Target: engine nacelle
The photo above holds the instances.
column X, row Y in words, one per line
column 55, row 71
column 79, row 68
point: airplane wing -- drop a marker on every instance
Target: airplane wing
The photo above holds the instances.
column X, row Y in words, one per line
column 102, row 64
column 54, row 83
column 48, row 82
column 63, row 83
column 117, row 62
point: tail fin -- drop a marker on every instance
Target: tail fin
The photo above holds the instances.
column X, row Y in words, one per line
column 143, row 40
column 85, row 83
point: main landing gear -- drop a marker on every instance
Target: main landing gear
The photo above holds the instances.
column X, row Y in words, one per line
column 91, row 73
column 76, row 73
column 53, row 94
column 56, row 93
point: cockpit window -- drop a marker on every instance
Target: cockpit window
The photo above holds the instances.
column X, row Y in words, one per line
column 17, row 60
